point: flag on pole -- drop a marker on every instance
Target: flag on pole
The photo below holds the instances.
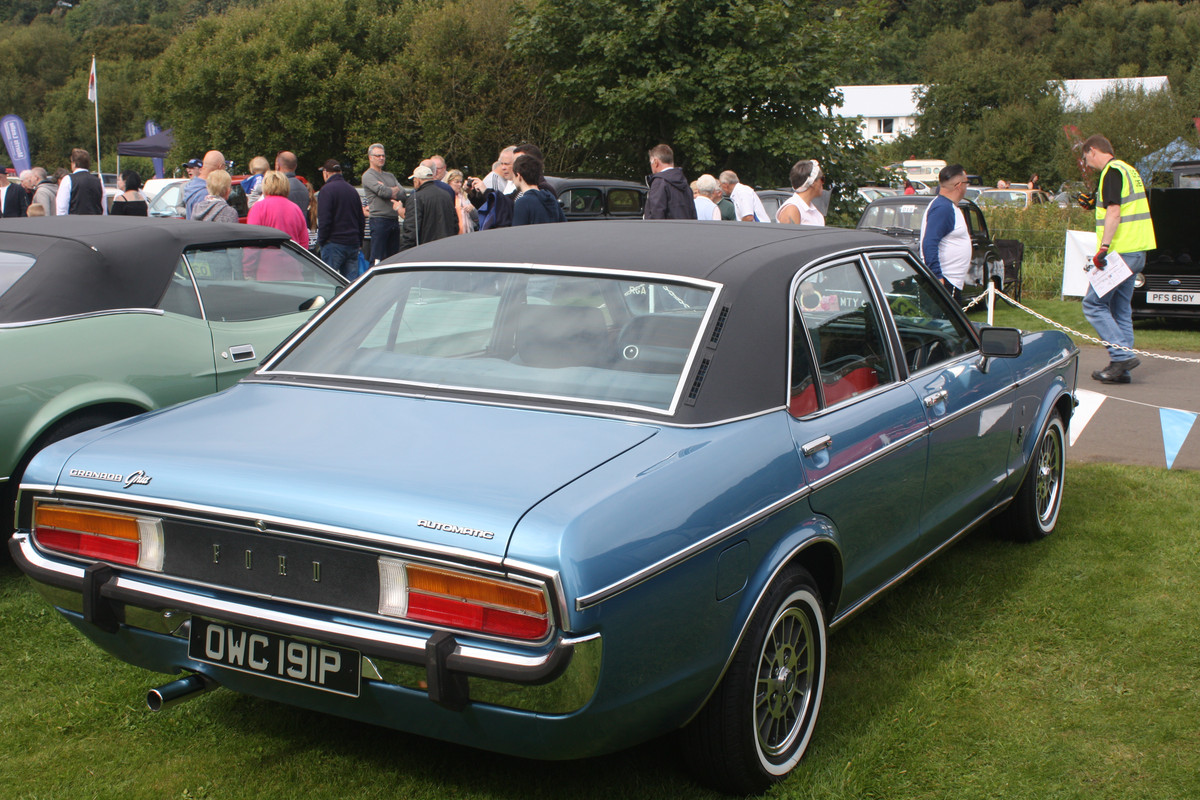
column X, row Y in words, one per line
column 92, row 82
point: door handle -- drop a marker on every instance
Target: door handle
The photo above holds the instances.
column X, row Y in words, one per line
column 935, row 398
column 242, row 352
column 816, row 445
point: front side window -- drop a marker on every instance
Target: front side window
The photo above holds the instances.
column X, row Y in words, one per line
column 258, row 282
column 838, row 316
column 930, row 331
column 561, row 336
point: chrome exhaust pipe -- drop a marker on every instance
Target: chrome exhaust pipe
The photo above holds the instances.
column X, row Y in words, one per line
column 176, row 692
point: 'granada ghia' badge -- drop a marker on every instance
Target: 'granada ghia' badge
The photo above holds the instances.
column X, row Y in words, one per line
column 139, row 478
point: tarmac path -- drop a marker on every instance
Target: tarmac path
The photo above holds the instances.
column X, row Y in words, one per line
column 1151, row 421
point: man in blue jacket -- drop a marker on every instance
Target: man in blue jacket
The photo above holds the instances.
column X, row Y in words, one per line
column 340, row 221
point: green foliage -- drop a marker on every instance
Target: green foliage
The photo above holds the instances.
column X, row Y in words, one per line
column 726, row 84
column 287, row 75
column 1136, row 122
column 468, row 94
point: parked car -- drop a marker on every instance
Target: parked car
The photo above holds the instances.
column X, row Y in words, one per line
column 555, row 495
column 599, row 198
column 102, row 318
column 1015, row 197
column 1169, row 285
column 901, row 217
column 869, row 193
column 168, row 203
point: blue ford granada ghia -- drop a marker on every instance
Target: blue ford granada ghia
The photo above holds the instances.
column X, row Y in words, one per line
column 554, row 491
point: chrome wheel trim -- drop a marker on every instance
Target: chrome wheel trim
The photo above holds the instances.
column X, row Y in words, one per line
column 786, row 677
column 1048, row 480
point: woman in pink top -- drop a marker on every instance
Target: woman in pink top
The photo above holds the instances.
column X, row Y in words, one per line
column 275, row 210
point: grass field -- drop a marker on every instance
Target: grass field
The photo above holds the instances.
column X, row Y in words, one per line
column 1064, row 669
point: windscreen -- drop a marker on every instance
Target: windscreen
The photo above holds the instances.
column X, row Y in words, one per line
column 563, row 336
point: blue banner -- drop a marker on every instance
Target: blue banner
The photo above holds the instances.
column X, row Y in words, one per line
column 17, row 142
column 151, row 129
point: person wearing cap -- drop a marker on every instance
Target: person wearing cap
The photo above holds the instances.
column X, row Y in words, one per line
column 429, row 212
column 340, row 221
column 808, row 181
column 191, row 167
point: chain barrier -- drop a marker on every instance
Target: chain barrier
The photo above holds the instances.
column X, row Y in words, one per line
column 992, row 290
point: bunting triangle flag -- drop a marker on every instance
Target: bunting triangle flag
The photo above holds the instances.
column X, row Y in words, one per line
column 1176, row 425
column 1089, row 404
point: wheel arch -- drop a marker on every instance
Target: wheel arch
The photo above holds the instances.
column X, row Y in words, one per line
column 819, row 555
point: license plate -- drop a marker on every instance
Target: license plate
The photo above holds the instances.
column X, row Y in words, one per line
column 281, row 658
column 1181, row 298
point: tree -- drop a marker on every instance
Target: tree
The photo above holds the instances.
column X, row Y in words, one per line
column 468, row 94
column 728, row 83
column 301, row 75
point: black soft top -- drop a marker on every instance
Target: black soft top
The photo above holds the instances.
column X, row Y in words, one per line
column 89, row 264
column 747, row 367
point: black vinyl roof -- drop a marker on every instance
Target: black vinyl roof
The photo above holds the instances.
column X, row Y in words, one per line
column 89, row 264
column 755, row 262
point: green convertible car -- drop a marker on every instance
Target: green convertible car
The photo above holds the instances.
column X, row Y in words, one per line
column 103, row 318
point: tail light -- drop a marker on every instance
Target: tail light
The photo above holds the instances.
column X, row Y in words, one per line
column 102, row 535
column 461, row 600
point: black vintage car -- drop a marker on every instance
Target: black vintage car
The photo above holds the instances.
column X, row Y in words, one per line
column 1169, row 286
column 599, row 198
column 999, row 260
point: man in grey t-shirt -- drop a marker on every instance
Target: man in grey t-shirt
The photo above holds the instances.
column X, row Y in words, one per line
column 383, row 193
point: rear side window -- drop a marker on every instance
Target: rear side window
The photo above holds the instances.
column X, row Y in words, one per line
column 837, row 311
column 12, row 267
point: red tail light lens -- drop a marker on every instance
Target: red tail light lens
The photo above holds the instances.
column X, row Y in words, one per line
column 103, row 535
column 460, row 600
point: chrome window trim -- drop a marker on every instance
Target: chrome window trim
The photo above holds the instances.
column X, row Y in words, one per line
column 662, row 565
column 72, row 317
column 697, row 347
column 187, row 264
column 887, row 324
column 479, row 401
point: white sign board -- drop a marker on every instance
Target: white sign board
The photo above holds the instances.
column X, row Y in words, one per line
column 1077, row 254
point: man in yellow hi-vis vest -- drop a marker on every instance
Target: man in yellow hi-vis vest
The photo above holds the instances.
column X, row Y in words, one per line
column 1122, row 226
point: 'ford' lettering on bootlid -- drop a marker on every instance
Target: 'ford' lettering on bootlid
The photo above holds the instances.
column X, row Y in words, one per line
column 442, row 526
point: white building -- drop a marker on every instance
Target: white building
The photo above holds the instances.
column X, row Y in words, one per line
column 890, row 110
column 886, row 111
